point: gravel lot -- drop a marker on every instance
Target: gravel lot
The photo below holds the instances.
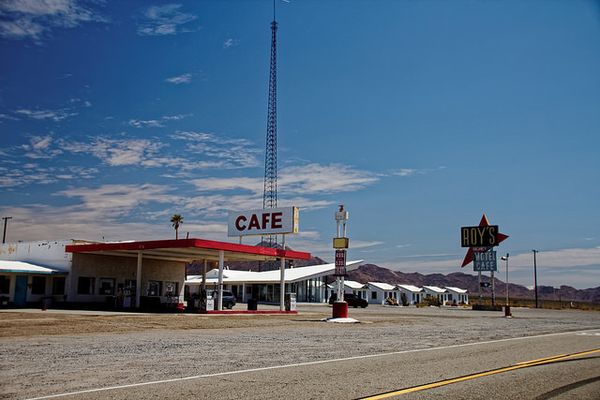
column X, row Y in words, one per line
column 46, row 353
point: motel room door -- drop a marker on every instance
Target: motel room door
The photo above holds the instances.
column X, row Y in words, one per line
column 20, row 290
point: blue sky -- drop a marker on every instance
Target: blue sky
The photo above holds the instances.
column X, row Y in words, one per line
column 419, row 116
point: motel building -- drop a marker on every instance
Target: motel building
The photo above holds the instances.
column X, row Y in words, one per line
column 413, row 294
column 147, row 275
column 307, row 283
column 457, row 295
column 379, row 291
column 439, row 293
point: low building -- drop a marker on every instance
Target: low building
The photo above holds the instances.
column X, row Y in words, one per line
column 436, row 292
column 359, row 289
column 135, row 274
column 307, row 283
column 413, row 294
column 457, row 295
column 379, row 291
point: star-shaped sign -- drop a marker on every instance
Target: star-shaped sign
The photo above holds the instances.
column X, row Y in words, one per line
column 500, row 236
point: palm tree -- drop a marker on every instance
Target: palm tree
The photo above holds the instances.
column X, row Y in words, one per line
column 176, row 220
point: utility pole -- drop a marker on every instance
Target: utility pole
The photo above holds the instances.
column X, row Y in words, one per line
column 535, row 277
column 5, row 223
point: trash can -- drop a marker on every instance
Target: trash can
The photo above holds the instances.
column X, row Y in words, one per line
column 290, row 302
column 252, row 304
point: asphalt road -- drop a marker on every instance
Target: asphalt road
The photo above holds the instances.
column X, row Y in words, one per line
column 303, row 358
column 576, row 378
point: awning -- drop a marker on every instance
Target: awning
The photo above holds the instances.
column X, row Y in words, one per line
column 22, row 267
column 292, row 275
column 187, row 250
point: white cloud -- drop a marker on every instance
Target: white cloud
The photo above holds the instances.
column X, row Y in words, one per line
column 119, row 200
column 121, row 152
column 316, row 178
column 151, row 123
column 178, row 80
column 55, row 115
column 230, row 42
column 41, row 147
column 415, row 171
column 305, row 179
column 156, row 123
column 31, row 173
column 30, row 19
column 163, row 20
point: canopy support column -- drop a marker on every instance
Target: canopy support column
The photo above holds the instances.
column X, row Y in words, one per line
column 220, row 295
column 138, row 280
column 282, row 285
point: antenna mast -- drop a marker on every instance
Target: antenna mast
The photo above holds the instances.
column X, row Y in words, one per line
column 270, row 181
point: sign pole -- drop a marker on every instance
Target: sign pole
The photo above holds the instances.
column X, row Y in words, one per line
column 480, row 295
column 340, row 244
column 493, row 292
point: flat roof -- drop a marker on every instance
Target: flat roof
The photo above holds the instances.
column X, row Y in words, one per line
column 187, row 250
column 22, row 267
column 273, row 276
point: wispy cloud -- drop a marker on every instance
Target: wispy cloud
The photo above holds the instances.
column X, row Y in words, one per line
column 305, row 179
column 149, row 123
column 119, row 152
column 230, row 42
column 41, row 147
column 180, row 79
column 54, row 115
column 32, row 173
column 163, row 20
column 31, row 19
column 156, row 123
column 414, row 171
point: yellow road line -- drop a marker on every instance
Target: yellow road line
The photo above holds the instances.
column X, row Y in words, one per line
column 542, row 359
column 525, row 364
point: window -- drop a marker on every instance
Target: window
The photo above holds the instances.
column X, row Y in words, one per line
column 4, row 284
column 107, row 286
column 86, row 285
column 154, row 288
column 374, row 295
column 170, row 289
column 58, row 285
column 38, row 285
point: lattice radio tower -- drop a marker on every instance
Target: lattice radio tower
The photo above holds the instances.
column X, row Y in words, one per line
column 270, row 182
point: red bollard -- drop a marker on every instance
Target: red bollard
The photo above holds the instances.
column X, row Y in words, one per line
column 340, row 309
column 507, row 311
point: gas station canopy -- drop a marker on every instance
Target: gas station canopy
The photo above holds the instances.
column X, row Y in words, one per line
column 188, row 250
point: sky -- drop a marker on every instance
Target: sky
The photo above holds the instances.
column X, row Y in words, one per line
column 418, row 116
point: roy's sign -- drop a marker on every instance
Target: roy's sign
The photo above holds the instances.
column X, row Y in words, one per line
column 269, row 221
column 479, row 236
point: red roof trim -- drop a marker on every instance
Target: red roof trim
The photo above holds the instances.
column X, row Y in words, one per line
column 188, row 243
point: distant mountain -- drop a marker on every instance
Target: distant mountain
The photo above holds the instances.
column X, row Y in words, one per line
column 373, row 273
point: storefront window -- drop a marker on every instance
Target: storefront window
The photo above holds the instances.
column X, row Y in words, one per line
column 154, row 288
column 107, row 286
column 38, row 285
column 170, row 289
column 58, row 285
column 86, row 285
column 4, row 284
